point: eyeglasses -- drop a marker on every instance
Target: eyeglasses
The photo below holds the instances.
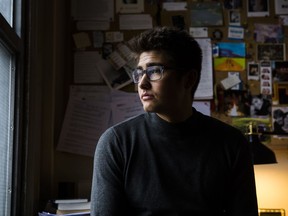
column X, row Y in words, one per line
column 153, row 73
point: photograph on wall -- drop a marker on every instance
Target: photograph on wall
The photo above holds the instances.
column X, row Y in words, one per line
column 271, row 52
column 257, row 8
column 280, row 119
column 268, row 33
column 281, row 6
column 234, row 18
column 229, row 64
column 199, row 11
column 266, row 78
column 232, row 4
column 234, row 103
column 253, row 71
column 260, row 105
column 280, row 71
column 227, row 49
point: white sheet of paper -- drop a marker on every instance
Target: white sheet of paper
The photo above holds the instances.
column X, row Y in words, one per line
column 203, row 107
column 85, row 67
column 199, row 32
column 85, row 120
column 125, row 105
column 230, row 81
column 112, row 76
column 205, row 87
column 135, row 21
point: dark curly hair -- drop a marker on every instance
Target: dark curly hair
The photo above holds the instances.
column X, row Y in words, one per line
column 182, row 49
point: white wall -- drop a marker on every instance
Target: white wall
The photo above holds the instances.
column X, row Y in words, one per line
column 272, row 182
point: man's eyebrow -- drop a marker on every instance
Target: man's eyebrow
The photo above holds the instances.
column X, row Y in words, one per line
column 154, row 64
column 151, row 64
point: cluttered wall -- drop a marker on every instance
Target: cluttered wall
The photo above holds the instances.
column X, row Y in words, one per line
column 244, row 77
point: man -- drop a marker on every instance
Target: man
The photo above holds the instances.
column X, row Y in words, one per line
column 172, row 160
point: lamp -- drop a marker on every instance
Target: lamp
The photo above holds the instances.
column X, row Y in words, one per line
column 260, row 152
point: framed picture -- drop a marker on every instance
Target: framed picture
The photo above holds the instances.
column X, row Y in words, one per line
column 280, row 72
column 271, row 52
column 199, row 11
column 257, row 8
column 280, row 93
column 130, row 6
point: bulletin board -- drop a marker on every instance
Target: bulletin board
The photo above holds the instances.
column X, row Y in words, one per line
column 248, row 50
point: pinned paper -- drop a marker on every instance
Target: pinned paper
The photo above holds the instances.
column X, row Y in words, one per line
column 81, row 40
column 230, row 81
column 112, row 37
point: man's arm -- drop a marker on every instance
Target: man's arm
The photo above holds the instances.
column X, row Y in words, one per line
column 107, row 195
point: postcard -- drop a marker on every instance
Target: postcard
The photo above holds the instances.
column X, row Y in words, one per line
column 229, row 64
column 229, row 49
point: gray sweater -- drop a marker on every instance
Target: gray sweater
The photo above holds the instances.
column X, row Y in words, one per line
column 148, row 167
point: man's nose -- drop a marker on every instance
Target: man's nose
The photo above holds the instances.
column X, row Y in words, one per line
column 144, row 82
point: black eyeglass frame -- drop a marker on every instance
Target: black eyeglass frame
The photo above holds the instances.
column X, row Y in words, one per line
column 150, row 70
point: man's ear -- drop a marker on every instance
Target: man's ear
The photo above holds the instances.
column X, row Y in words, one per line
column 191, row 79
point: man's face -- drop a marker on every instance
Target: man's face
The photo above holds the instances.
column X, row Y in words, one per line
column 257, row 102
column 166, row 96
column 279, row 120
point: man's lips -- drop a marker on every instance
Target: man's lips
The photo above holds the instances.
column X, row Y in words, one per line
column 147, row 96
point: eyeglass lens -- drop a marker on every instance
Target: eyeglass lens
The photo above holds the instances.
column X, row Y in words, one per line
column 153, row 73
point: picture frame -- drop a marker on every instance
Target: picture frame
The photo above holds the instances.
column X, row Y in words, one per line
column 280, row 93
column 271, row 52
column 199, row 11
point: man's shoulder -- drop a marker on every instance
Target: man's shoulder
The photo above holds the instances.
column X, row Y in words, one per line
column 215, row 124
column 130, row 123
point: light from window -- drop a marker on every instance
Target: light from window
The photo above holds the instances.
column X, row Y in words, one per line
column 7, row 85
column 6, row 9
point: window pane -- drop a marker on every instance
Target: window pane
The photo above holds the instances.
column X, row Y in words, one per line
column 7, row 84
column 6, row 9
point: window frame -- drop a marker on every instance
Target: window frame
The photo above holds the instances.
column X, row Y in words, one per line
column 12, row 38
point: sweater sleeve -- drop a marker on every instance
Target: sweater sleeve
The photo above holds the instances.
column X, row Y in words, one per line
column 107, row 194
column 243, row 196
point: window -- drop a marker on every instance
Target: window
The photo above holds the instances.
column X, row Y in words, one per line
column 7, row 85
column 10, row 67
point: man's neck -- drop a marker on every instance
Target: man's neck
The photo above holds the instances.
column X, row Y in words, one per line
column 181, row 116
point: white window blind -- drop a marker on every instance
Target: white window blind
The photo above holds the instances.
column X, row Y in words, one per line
column 7, row 85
